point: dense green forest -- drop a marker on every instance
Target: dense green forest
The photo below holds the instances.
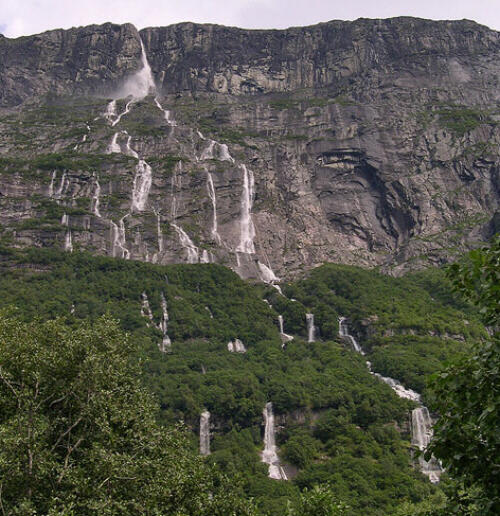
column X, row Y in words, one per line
column 338, row 424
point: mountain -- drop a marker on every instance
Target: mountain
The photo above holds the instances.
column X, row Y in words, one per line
column 371, row 142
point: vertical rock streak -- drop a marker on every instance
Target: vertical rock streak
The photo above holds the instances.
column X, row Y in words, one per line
column 205, row 433
column 310, row 328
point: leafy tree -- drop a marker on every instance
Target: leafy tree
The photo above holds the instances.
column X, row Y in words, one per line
column 318, row 501
column 78, row 432
column 467, row 393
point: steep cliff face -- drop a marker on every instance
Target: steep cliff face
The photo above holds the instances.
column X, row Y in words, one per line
column 372, row 142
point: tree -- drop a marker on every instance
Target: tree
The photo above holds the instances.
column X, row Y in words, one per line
column 318, row 501
column 78, row 434
column 467, row 393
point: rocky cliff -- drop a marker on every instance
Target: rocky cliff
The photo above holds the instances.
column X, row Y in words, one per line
column 372, row 142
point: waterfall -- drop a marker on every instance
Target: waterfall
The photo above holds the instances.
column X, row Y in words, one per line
column 110, row 111
column 269, row 455
column 68, row 241
column 211, row 194
column 310, row 328
column 205, row 257
column 96, row 198
column 247, row 229
column 141, row 83
column 205, row 433
column 398, row 388
column 284, row 337
column 158, row 232
column 51, row 185
column 62, row 186
column 208, row 152
column 344, row 333
column 192, row 251
column 142, row 184
column 114, row 146
column 224, row 153
column 166, row 113
column 119, row 241
column 236, row 347
column 421, row 422
column 126, row 111
column 166, row 343
column 267, row 275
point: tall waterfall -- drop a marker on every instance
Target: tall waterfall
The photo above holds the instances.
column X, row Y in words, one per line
column 270, row 455
column 284, row 337
column 310, row 327
column 193, row 253
column 205, row 433
column 68, row 241
column 421, row 422
column 96, row 198
column 141, row 83
column 213, row 198
column 247, row 229
column 166, row 344
column 142, row 185
column 119, row 239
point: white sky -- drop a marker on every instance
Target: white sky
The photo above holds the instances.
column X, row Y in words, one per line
column 21, row 17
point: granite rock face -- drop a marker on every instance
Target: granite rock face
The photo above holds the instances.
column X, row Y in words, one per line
column 372, row 142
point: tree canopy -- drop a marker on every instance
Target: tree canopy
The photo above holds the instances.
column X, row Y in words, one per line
column 467, row 393
column 78, row 432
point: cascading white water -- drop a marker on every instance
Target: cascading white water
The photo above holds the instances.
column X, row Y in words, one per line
column 310, row 328
column 224, row 153
column 61, row 189
column 213, row 198
column 267, row 275
column 269, row 455
column 166, row 113
column 110, row 113
column 96, row 198
column 126, row 111
column 205, row 256
column 421, row 435
column 68, row 240
column 114, row 146
column 51, row 185
column 158, row 232
column 284, row 337
column 247, row 229
column 208, row 152
column 344, row 332
column 193, row 253
column 421, row 422
column 142, row 185
column 398, row 388
column 166, row 343
column 205, row 433
column 236, row 347
column 119, row 239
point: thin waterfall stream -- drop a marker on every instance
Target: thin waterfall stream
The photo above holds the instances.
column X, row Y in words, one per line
column 421, row 422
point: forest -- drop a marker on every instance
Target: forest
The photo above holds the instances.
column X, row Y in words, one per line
column 338, row 425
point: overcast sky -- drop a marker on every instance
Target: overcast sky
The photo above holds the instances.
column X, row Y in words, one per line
column 21, row 17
